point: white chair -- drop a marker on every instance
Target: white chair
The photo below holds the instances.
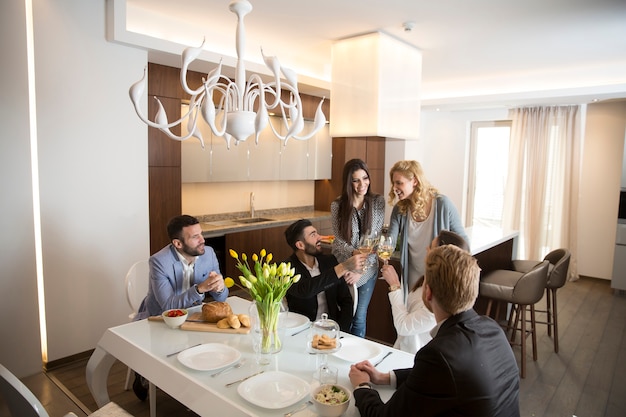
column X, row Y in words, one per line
column 20, row 400
column 137, row 282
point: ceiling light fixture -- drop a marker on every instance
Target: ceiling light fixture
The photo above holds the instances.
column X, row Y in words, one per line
column 234, row 116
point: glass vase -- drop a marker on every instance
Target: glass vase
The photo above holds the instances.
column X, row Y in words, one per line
column 266, row 328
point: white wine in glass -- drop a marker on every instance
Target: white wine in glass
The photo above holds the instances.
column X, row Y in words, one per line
column 366, row 245
column 385, row 249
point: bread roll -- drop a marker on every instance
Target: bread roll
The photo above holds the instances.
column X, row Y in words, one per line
column 223, row 324
column 233, row 321
column 244, row 319
column 215, row 311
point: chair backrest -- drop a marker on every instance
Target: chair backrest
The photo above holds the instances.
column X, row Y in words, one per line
column 529, row 289
column 559, row 259
column 137, row 283
column 20, row 400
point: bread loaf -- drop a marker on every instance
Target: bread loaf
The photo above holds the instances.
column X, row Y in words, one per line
column 215, row 311
column 233, row 321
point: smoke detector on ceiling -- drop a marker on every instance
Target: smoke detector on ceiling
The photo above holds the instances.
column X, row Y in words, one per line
column 408, row 26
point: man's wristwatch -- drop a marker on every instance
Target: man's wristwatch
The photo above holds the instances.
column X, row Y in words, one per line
column 365, row 385
column 393, row 288
column 198, row 290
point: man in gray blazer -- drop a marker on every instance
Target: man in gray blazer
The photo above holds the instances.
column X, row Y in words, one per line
column 183, row 271
column 467, row 369
column 181, row 274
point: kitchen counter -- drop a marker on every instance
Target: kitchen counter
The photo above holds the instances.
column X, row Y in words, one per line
column 219, row 225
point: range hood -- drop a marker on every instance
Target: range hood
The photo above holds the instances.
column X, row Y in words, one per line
column 375, row 88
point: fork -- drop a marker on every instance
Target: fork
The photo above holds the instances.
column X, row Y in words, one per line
column 302, row 407
column 235, row 366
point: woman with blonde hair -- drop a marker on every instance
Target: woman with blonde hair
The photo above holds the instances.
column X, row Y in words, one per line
column 419, row 215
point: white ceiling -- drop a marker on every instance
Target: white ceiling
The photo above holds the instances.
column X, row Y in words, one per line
column 474, row 51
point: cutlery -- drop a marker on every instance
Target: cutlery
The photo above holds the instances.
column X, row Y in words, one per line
column 378, row 363
column 243, row 379
column 302, row 407
column 300, row 331
column 228, row 368
column 178, row 351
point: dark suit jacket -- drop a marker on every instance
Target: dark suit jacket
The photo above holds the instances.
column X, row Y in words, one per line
column 468, row 369
column 302, row 296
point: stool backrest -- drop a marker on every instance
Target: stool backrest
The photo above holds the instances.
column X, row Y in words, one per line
column 559, row 259
column 529, row 288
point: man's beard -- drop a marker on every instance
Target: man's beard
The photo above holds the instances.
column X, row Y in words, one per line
column 312, row 249
column 197, row 251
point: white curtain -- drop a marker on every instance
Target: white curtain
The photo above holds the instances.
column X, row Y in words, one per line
column 541, row 197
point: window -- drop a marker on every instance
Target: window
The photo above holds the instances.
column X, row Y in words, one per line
column 489, row 155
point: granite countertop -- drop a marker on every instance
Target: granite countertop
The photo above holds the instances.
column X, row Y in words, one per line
column 221, row 224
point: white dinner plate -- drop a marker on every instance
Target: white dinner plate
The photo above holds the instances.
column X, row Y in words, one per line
column 274, row 389
column 209, row 356
column 357, row 350
column 294, row 322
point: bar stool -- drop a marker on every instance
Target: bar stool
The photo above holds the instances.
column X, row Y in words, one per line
column 557, row 276
column 523, row 289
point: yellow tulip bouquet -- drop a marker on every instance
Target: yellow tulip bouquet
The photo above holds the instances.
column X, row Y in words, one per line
column 267, row 283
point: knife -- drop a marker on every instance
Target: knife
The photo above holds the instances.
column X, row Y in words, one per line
column 243, row 379
column 378, row 363
column 178, row 351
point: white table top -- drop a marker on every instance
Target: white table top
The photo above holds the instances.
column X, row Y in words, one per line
column 144, row 345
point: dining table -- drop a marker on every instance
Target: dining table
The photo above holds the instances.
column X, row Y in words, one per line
column 150, row 348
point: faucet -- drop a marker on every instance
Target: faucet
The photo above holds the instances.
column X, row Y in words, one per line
column 252, row 204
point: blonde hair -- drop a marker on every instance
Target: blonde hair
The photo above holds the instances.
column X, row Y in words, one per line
column 453, row 277
column 422, row 195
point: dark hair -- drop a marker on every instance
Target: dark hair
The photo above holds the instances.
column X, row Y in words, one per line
column 445, row 237
column 176, row 224
column 295, row 232
column 347, row 196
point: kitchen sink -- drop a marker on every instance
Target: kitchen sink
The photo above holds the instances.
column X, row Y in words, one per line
column 248, row 220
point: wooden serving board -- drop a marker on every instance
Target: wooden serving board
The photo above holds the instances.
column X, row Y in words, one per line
column 203, row 326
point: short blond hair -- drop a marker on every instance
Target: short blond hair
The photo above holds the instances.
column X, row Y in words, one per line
column 453, row 277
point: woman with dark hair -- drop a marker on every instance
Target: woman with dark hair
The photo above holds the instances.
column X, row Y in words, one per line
column 412, row 320
column 357, row 212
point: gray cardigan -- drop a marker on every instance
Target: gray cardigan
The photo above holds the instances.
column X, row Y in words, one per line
column 446, row 218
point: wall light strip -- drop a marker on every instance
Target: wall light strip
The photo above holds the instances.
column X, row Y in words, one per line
column 34, row 161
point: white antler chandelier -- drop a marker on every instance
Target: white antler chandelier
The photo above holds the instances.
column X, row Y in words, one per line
column 234, row 115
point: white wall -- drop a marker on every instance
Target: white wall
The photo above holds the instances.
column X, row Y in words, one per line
column 444, row 138
column 224, row 197
column 20, row 352
column 599, row 188
column 93, row 172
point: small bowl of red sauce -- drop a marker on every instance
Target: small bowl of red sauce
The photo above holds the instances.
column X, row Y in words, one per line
column 175, row 317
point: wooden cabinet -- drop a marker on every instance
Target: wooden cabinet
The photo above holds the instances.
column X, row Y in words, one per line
column 164, row 176
column 370, row 149
column 269, row 160
column 272, row 239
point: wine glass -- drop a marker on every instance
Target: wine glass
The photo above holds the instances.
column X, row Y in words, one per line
column 366, row 245
column 385, row 249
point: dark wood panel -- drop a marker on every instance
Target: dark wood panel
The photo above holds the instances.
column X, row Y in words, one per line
column 380, row 325
column 163, row 81
column 164, row 201
column 375, row 152
column 163, row 151
column 272, row 239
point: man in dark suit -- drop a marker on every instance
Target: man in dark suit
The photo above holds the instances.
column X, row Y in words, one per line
column 321, row 288
column 467, row 369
